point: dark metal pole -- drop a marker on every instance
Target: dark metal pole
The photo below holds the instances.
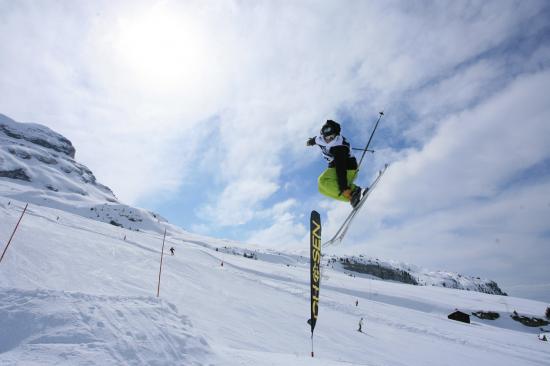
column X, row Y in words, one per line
column 367, row 147
column 370, row 139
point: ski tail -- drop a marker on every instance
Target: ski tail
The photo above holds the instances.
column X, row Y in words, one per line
column 341, row 232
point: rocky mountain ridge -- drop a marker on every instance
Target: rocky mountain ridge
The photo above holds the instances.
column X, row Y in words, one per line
column 37, row 165
column 414, row 275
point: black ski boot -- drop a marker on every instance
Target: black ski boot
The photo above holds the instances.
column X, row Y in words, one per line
column 355, row 196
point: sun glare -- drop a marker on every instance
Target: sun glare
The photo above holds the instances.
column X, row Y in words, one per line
column 161, row 49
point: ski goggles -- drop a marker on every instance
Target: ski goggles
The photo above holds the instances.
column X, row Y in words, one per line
column 327, row 130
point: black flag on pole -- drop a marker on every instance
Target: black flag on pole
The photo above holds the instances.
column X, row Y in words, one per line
column 315, row 265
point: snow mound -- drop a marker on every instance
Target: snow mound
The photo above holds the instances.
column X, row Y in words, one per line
column 107, row 330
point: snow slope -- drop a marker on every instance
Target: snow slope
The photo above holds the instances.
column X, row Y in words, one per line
column 73, row 291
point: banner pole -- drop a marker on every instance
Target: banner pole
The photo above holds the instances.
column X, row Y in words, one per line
column 13, row 233
column 161, row 255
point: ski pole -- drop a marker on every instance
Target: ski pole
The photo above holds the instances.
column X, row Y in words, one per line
column 357, row 149
column 370, row 139
column 367, row 147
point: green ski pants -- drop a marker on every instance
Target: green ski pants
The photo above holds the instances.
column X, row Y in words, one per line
column 328, row 183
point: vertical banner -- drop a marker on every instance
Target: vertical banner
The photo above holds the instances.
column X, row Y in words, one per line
column 315, row 268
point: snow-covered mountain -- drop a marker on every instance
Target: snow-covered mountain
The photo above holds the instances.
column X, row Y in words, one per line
column 78, row 285
column 38, row 165
column 411, row 274
column 44, row 160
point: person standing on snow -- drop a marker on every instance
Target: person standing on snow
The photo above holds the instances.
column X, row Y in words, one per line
column 337, row 180
column 360, row 326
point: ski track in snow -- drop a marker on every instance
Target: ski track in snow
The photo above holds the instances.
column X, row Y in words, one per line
column 74, row 292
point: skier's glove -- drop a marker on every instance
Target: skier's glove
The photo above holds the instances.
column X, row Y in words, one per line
column 347, row 193
column 310, row 141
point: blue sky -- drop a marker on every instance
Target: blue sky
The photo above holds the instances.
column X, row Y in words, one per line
column 199, row 110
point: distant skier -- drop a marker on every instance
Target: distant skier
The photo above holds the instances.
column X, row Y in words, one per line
column 356, row 302
column 172, row 250
column 360, row 326
column 337, row 180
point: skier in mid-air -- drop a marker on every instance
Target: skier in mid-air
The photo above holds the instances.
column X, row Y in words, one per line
column 337, row 180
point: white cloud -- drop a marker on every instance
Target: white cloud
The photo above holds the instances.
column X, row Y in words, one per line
column 287, row 230
column 123, row 73
column 239, row 201
column 463, row 195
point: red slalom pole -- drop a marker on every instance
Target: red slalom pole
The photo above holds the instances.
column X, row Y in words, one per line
column 12, row 234
column 161, row 255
